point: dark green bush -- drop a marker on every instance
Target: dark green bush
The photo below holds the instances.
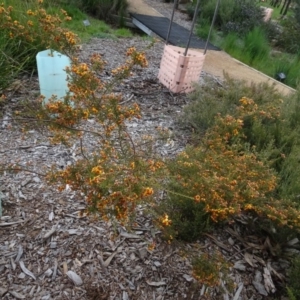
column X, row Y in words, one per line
column 12, row 61
column 212, row 98
column 289, row 39
column 294, row 282
column 191, row 7
column 239, row 16
column 245, row 16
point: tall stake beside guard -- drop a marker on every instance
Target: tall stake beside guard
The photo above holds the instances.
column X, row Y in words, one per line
column 180, row 67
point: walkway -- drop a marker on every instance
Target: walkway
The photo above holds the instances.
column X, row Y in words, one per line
column 218, row 62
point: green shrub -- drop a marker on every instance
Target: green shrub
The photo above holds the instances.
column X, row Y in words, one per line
column 208, row 269
column 103, row 9
column 123, row 32
column 232, row 44
column 203, row 30
column 256, row 45
column 227, row 173
column 190, row 7
column 224, row 12
column 212, row 98
column 293, row 281
column 246, row 15
column 24, row 31
column 12, row 61
column 275, row 132
column 290, row 66
column 239, row 16
column 289, row 38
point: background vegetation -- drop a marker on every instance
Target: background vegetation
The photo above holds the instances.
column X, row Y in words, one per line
column 270, row 46
column 25, row 31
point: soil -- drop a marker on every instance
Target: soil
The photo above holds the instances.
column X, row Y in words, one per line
column 49, row 251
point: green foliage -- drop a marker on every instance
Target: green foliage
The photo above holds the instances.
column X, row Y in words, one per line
column 203, row 30
column 289, row 38
column 290, row 294
column 275, row 132
column 123, row 32
column 239, row 16
column 231, row 43
column 289, row 65
column 224, row 12
column 224, row 175
column 19, row 45
column 253, row 49
column 190, row 7
column 210, row 99
column 293, row 282
column 246, row 15
column 11, row 62
column 189, row 219
column 24, row 31
column 297, row 11
column 103, row 9
column 210, row 268
column 256, row 45
column 243, row 159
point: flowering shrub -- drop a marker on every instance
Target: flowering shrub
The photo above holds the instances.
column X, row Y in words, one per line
column 224, row 176
column 117, row 175
column 24, row 34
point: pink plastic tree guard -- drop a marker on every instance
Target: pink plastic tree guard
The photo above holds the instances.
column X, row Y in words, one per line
column 178, row 72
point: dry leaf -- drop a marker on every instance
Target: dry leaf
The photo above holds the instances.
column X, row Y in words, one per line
column 130, row 235
column 271, row 269
column 260, row 260
column 293, row 242
column 65, row 267
column 51, row 216
column 50, row 232
column 25, row 270
column 249, row 259
column 238, row 292
column 269, row 285
column 109, row 259
column 156, row 283
column 239, row 265
column 3, row 291
column 17, row 295
column 20, row 252
column 75, row 278
column 257, row 282
column 188, row 277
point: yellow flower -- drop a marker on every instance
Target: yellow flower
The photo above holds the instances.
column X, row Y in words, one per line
column 248, row 206
column 197, row 198
column 235, row 132
column 166, row 221
column 30, row 12
column 97, row 170
column 148, row 192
